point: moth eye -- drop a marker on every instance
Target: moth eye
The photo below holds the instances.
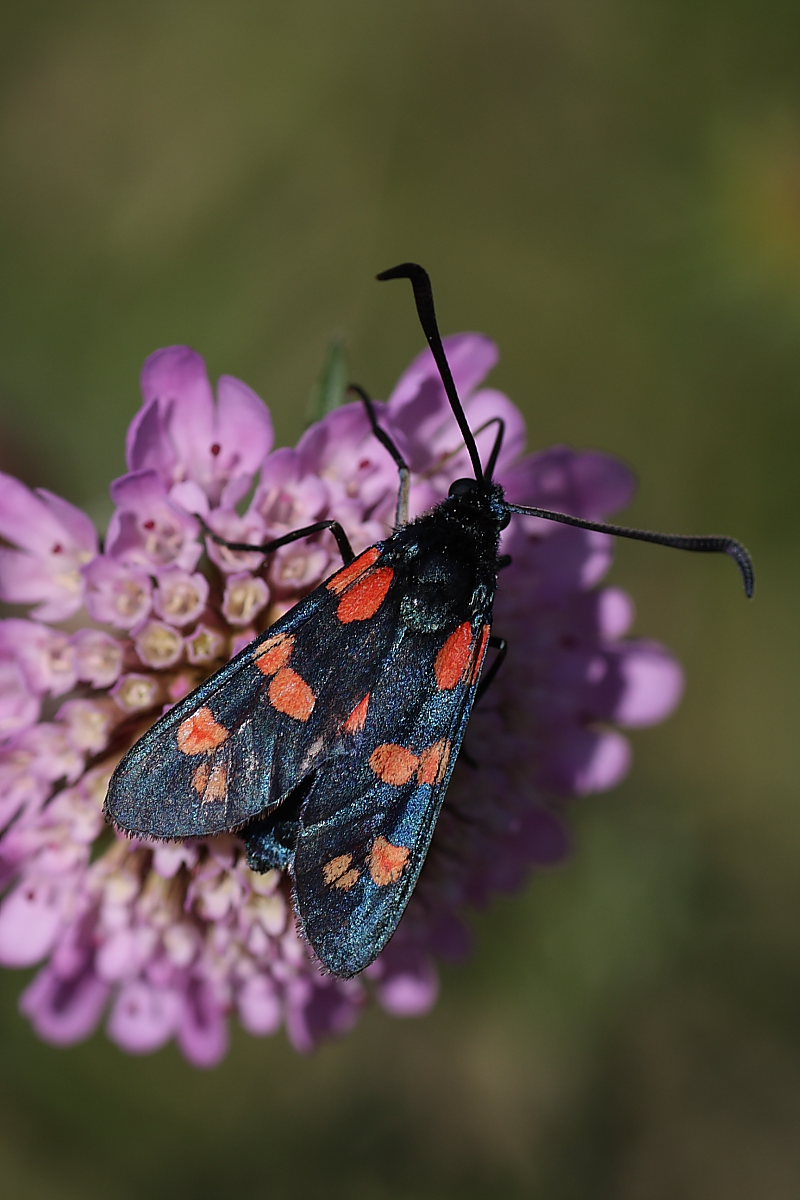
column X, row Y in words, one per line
column 461, row 487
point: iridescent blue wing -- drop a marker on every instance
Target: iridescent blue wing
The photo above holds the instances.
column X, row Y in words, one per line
column 237, row 746
column 366, row 825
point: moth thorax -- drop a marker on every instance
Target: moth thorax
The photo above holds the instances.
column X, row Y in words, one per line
column 438, row 594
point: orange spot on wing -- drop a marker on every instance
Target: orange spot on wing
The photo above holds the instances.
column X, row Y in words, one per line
column 433, row 762
column 274, row 653
column 366, row 596
column 200, row 778
column 454, row 657
column 200, row 732
column 358, row 717
column 211, row 783
column 387, row 861
column 339, row 872
column 349, row 574
column 476, row 668
column 393, row 764
column 289, row 693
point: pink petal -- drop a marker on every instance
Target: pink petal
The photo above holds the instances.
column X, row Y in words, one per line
column 24, row 519
column 471, row 356
column 244, row 423
column 177, row 375
column 78, row 527
column 30, row 920
column 615, row 612
column 46, row 655
column 653, row 684
column 319, row 1009
column 143, row 1017
column 27, row 579
column 64, row 1011
column 583, row 483
column 488, row 403
column 410, row 993
column 19, row 707
column 203, row 1027
column 260, row 1009
column 580, row 761
column 147, row 447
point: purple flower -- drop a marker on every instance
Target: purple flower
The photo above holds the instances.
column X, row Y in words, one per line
column 171, row 941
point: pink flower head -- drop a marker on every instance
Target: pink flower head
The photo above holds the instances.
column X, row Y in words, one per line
column 161, row 941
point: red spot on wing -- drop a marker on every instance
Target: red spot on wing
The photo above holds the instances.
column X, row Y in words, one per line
column 358, row 717
column 476, row 668
column 454, row 657
column 364, row 598
column 349, row 574
column 433, row 762
column 387, row 861
column 200, row 732
column 274, row 653
column 289, row 693
column 393, row 764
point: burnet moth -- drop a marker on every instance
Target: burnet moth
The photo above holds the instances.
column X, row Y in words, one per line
column 328, row 742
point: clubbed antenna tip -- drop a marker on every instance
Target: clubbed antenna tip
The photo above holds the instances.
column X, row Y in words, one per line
column 423, row 298
column 743, row 561
column 702, row 545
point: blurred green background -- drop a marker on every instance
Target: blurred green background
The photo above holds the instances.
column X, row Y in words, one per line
column 613, row 192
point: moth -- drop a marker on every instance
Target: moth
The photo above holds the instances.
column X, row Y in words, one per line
column 329, row 742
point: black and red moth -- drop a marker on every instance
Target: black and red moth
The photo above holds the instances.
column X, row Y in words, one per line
column 329, row 742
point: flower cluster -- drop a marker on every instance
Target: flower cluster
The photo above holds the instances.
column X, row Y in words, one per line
column 164, row 941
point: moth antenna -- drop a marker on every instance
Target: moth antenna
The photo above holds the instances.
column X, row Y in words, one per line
column 498, row 443
column 704, row 545
column 423, row 298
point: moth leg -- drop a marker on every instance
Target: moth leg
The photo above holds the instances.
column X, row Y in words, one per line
column 401, row 516
column 345, row 549
column 501, row 646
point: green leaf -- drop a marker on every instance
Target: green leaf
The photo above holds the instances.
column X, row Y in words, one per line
column 330, row 390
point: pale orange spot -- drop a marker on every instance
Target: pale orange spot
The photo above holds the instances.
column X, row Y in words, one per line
column 349, row 574
column 339, row 872
column 386, row 861
column 433, row 762
column 200, row 778
column 290, row 694
column 393, row 764
column 366, row 596
column 200, row 732
column 453, row 658
column 215, row 785
column 476, row 667
column 358, row 717
column 274, row 654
